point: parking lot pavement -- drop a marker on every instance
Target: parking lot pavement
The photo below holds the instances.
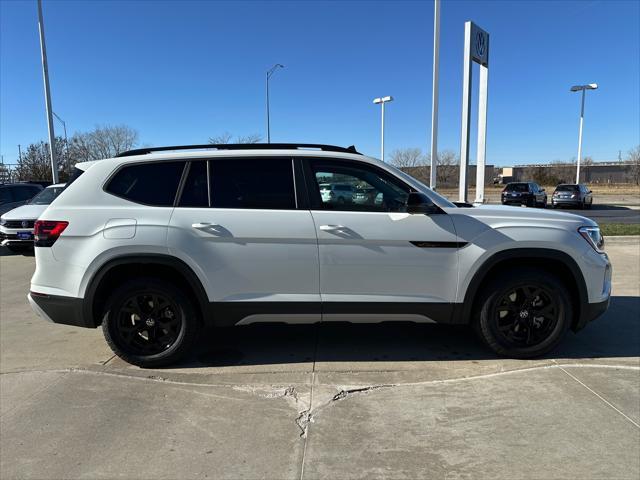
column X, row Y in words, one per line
column 330, row 401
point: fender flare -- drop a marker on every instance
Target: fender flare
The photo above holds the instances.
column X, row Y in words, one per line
column 464, row 312
column 152, row 258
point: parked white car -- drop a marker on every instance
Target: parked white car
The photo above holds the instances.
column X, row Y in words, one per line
column 16, row 226
column 160, row 242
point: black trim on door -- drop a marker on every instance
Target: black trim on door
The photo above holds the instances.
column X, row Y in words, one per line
column 428, row 244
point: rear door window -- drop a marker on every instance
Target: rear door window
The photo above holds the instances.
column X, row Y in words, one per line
column 153, row 184
column 256, row 183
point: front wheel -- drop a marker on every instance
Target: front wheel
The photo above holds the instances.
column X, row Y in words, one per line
column 524, row 314
column 149, row 323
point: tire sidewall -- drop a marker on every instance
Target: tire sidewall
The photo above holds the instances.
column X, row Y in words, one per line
column 487, row 327
column 185, row 310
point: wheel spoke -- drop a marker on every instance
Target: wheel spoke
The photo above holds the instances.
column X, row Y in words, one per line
column 147, row 323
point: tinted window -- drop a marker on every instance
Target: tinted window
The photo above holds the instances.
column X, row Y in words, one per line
column 24, row 192
column 5, row 196
column 194, row 192
column 252, row 183
column 567, row 188
column 150, row 183
column 375, row 190
column 517, row 187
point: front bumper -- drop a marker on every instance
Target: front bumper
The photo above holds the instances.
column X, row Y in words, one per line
column 9, row 236
column 58, row 309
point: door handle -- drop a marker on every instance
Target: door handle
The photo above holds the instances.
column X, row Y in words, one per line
column 331, row 228
column 204, row 225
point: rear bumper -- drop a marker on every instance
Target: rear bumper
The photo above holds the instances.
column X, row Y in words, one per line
column 568, row 202
column 58, row 309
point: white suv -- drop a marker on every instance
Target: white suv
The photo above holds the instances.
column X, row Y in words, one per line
column 154, row 246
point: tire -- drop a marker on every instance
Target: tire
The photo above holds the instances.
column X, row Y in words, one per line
column 150, row 323
column 507, row 293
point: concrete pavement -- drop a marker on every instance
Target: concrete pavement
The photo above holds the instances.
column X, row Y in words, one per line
column 334, row 401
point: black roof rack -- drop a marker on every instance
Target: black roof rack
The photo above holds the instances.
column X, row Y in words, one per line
column 242, row 146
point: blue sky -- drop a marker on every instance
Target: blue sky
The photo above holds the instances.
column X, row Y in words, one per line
column 182, row 71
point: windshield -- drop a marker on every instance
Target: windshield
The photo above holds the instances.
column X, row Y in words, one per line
column 46, row 196
column 567, row 188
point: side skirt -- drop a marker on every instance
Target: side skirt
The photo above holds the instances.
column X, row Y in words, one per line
column 243, row 313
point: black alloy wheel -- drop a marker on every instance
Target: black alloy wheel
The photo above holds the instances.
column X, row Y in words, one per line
column 523, row 313
column 150, row 323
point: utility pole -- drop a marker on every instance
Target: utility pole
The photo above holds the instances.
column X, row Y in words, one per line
column 47, row 96
column 434, row 95
column 19, row 153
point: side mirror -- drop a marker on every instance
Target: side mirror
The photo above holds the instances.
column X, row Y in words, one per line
column 542, row 190
column 590, row 191
column 419, row 203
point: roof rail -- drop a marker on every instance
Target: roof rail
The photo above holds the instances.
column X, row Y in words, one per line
column 242, row 146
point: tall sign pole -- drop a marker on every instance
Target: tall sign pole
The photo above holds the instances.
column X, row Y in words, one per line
column 47, row 96
column 434, row 95
column 476, row 49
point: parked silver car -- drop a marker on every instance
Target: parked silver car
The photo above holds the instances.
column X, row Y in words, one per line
column 572, row 195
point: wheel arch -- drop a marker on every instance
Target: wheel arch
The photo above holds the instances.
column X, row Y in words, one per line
column 162, row 266
column 553, row 261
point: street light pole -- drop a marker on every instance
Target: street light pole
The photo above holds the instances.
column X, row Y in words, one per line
column 270, row 72
column 583, row 88
column 66, row 141
column 47, row 95
column 382, row 101
column 434, row 95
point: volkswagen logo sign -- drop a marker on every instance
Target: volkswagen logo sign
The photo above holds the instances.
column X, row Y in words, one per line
column 481, row 44
column 25, row 223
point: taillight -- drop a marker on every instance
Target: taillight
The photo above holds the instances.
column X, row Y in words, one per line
column 46, row 232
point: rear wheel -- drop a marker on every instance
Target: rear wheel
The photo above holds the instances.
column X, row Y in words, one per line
column 149, row 323
column 524, row 314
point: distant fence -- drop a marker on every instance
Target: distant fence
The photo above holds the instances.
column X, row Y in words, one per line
column 8, row 172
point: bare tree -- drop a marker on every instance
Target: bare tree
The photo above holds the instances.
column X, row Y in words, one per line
column 633, row 157
column 408, row 158
column 226, row 137
column 221, row 139
column 103, row 142
column 447, row 167
column 35, row 162
column 251, row 138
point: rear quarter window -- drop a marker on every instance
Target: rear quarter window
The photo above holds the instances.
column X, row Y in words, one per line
column 153, row 184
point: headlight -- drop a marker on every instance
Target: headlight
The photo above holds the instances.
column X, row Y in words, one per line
column 594, row 237
column 2, row 221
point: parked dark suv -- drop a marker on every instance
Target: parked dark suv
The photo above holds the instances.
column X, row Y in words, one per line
column 524, row 193
column 573, row 195
column 13, row 195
